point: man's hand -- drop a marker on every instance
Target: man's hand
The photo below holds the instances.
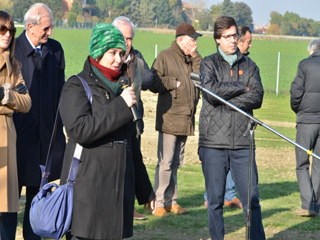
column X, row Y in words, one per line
column 189, row 46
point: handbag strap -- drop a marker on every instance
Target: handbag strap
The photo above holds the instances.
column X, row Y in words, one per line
column 78, row 150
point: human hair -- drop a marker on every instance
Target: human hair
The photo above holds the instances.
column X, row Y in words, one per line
column 314, row 45
column 223, row 23
column 35, row 13
column 124, row 20
column 5, row 18
column 242, row 31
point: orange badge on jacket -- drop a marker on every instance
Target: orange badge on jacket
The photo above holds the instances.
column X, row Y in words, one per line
column 240, row 72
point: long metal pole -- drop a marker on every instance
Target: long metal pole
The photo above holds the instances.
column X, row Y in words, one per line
column 196, row 83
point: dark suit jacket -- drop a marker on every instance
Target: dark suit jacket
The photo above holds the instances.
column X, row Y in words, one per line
column 34, row 129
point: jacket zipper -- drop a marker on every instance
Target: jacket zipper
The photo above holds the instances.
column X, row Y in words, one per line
column 232, row 117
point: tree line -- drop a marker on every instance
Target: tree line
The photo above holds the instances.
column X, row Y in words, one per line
column 144, row 13
column 166, row 14
column 292, row 24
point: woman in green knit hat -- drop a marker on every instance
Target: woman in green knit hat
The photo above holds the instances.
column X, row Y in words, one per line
column 104, row 186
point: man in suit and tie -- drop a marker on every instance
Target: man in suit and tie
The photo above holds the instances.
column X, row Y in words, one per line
column 43, row 68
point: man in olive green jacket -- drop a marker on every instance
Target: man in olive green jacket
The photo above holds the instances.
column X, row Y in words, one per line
column 177, row 102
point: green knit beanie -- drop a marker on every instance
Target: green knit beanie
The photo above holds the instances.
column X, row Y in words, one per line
column 105, row 36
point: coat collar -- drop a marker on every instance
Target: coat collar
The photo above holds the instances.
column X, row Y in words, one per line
column 28, row 49
column 315, row 54
column 5, row 60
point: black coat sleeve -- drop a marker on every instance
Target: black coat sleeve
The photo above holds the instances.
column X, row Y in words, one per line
column 252, row 99
column 147, row 80
column 297, row 88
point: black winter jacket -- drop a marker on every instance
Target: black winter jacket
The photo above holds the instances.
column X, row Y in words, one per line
column 220, row 126
column 305, row 90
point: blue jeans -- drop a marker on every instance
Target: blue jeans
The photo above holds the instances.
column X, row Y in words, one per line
column 230, row 193
column 215, row 166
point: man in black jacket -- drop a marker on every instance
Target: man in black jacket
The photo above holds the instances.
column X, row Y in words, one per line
column 305, row 98
column 140, row 77
column 222, row 144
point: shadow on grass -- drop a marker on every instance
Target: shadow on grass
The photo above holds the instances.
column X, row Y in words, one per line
column 277, row 189
column 193, row 225
column 308, row 230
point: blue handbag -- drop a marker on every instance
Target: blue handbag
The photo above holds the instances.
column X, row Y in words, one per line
column 51, row 211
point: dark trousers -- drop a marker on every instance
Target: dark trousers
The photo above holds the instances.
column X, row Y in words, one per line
column 216, row 164
column 9, row 220
column 308, row 135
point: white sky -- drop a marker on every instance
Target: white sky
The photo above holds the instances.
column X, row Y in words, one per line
column 261, row 9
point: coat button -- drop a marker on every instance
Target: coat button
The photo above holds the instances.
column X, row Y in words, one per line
column 96, row 80
column 4, row 128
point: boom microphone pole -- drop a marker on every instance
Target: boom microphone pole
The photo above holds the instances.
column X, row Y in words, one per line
column 196, row 79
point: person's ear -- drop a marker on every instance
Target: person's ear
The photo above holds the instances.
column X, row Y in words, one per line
column 30, row 27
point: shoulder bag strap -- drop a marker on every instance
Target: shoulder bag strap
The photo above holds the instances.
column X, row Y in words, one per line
column 77, row 153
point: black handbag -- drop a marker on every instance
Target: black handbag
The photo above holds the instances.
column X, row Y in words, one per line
column 51, row 211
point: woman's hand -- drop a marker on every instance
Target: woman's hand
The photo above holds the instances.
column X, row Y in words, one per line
column 129, row 96
column 150, row 206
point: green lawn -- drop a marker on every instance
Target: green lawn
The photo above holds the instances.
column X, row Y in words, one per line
column 279, row 191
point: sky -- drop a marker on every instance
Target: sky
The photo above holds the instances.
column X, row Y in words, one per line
column 261, row 9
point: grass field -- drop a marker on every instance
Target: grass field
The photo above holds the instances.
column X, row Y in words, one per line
column 264, row 52
column 279, row 191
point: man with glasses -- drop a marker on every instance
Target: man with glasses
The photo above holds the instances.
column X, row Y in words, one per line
column 223, row 145
column 177, row 102
column 43, row 67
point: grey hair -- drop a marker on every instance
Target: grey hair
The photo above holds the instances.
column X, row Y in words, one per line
column 34, row 15
column 124, row 20
column 314, row 45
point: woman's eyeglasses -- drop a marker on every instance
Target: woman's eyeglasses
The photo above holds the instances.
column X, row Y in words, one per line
column 4, row 29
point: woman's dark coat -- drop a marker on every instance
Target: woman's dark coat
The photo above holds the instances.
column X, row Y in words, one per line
column 34, row 129
column 104, row 186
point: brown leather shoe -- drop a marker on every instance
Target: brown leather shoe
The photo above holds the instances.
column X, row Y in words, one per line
column 160, row 212
column 176, row 209
column 138, row 216
column 235, row 203
column 306, row 213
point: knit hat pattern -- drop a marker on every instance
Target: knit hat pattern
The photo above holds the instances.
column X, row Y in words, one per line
column 105, row 36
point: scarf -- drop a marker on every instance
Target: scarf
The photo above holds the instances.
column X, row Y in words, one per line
column 229, row 58
column 107, row 76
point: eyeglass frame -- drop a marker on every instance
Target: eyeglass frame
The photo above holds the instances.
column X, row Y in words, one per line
column 228, row 37
column 4, row 29
column 46, row 29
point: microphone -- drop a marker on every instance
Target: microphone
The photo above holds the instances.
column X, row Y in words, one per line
column 195, row 76
column 123, row 81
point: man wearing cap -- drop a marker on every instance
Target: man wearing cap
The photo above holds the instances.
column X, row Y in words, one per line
column 177, row 102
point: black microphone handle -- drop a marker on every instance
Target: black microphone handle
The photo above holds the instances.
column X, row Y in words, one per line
column 135, row 113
